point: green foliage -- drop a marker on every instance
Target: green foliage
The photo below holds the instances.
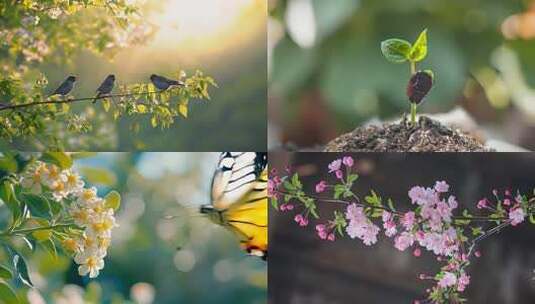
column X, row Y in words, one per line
column 419, row 49
column 399, row 51
column 38, row 219
column 55, row 31
column 32, row 117
column 396, row 50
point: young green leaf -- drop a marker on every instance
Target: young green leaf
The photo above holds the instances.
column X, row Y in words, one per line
column 396, row 50
column 60, row 159
column 38, row 205
column 419, row 49
column 275, row 203
column 113, row 200
column 7, row 295
column 5, row 273
column 22, row 269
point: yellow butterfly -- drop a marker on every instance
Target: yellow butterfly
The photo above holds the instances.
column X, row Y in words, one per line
column 239, row 199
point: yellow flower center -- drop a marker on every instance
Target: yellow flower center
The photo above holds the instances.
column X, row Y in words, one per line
column 88, row 195
column 72, row 180
column 53, row 172
column 88, row 242
column 82, row 215
column 58, row 187
column 103, row 226
column 91, row 262
column 103, row 242
column 70, row 244
column 36, row 177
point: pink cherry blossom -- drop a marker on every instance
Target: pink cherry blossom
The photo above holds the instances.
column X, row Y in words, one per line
column 483, row 203
column 301, row 220
column 463, row 281
column 321, row 186
column 339, row 174
column 408, row 220
column 403, row 241
column 360, row 226
column 335, row 165
column 348, row 161
column 449, row 279
column 516, row 215
column 286, row 207
column 442, row 186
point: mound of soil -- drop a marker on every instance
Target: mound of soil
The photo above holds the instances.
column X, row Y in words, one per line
column 427, row 135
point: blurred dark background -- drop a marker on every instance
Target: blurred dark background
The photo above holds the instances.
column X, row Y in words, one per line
column 304, row 269
column 328, row 76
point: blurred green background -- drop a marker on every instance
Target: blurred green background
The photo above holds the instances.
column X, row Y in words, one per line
column 327, row 74
column 224, row 39
column 153, row 259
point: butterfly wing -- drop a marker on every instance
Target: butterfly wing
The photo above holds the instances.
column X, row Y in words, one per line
column 235, row 176
column 249, row 218
column 239, row 192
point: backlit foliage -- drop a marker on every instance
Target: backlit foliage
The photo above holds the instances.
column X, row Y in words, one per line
column 53, row 31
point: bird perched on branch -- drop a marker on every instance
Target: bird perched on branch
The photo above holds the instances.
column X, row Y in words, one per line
column 105, row 87
column 65, row 87
column 162, row 83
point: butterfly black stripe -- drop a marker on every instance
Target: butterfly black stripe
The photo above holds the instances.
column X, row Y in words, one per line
column 248, row 223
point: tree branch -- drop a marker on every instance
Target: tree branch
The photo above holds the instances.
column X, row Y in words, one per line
column 31, row 104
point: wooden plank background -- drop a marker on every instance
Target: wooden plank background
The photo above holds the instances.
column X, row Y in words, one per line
column 305, row 270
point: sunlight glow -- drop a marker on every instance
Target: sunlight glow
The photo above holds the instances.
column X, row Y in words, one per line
column 201, row 22
column 191, row 33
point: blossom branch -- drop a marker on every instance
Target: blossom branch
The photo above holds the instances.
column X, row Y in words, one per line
column 430, row 225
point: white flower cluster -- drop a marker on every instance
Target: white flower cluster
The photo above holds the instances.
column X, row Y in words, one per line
column 87, row 210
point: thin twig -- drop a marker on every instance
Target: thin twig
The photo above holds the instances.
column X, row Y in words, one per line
column 36, row 103
column 30, row 230
column 398, row 213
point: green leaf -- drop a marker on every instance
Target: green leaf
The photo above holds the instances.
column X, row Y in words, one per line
column 396, row 50
column 391, row 205
column 5, row 273
column 7, row 295
column 419, row 49
column 275, row 203
column 352, row 178
column 98, row 176
column 532, row 218
column 477, row 231
column 38, row 205
column 296, row 182
column 22, row 268
column 80, row 155
column 7, row 194
column 113, row 200
column 49, row 246
column 60, row 159
column 339, row 190
column 42, row 235
column 6, row 191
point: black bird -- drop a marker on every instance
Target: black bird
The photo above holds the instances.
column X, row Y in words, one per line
column 162, row 83
column 65, row 87
column 105, row 87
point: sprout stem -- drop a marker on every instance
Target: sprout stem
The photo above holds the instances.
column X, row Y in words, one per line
column 413, row 112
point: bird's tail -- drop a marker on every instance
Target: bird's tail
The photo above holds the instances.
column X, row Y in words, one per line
column 177, row 83
column 96, row 98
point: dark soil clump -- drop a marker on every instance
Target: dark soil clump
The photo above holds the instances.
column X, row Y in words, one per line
column 426, row 136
